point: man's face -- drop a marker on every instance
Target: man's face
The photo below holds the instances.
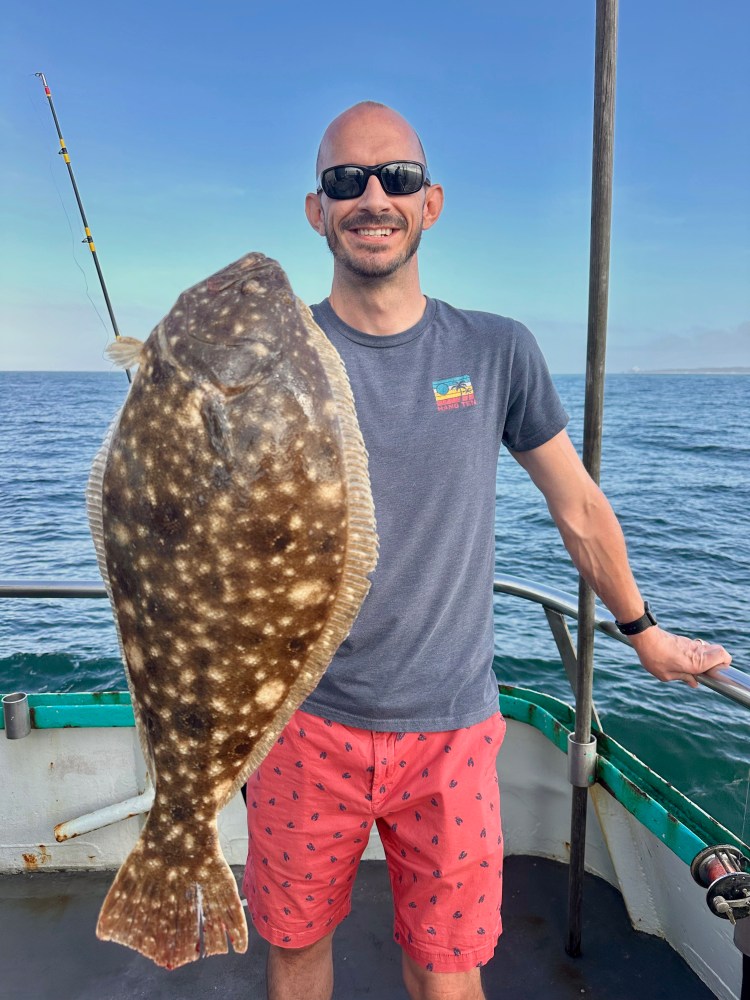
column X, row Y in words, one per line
column 375, row 235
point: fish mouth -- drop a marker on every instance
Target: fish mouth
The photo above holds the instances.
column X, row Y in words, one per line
column 232, row 391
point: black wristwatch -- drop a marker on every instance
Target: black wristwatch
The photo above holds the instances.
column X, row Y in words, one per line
column 640, row 624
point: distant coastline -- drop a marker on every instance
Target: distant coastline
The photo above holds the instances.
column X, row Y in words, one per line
column 732, row 370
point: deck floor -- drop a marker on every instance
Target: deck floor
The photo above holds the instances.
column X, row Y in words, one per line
column 48, row 949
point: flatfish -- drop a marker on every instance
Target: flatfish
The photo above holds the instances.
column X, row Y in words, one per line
column 231, row 511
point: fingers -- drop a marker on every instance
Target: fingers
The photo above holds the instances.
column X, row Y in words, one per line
column 705, row 656
column 672, row 657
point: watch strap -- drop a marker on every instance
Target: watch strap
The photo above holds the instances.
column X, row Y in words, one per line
column 646, row 620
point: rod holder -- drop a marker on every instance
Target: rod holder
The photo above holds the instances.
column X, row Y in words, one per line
column 16, row 715
column 581, row 762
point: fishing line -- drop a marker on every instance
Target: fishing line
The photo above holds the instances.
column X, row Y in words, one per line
column 744, row 818
column 73, row 245
column 88, row 237
column 73, row 249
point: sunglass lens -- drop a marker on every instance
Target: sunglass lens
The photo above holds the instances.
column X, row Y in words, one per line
column 350, row 181
column 401, row 178
column 343, row 182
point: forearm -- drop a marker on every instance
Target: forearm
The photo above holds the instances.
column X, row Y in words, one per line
column 594, row 539
column 596, row 544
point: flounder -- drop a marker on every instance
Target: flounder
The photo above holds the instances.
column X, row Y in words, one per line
column 231, row 511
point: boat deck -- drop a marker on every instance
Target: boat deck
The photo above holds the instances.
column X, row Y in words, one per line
column 48, row 948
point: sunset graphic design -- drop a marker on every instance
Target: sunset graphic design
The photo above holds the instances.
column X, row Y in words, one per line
column 454, row 393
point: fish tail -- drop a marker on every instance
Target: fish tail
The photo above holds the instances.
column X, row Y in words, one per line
column 174, row 912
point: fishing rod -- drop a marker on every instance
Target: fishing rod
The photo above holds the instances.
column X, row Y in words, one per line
column 89, row 238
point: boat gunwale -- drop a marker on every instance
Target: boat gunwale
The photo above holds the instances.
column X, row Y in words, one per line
column 677, row 821
column 661, row 808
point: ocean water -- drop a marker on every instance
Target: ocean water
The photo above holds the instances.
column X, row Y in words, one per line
column 676, row 467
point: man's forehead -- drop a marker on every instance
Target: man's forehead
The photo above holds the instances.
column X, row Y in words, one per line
column 368, row 135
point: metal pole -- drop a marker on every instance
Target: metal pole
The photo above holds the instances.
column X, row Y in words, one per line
column 601, row 218
column 89, row 238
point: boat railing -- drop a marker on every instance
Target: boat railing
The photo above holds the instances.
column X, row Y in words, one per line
column 727, row 681
column 558, row 606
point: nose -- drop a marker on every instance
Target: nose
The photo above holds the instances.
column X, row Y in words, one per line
column 374, row 199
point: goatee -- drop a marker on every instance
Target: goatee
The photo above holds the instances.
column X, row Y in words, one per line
column 368, row 264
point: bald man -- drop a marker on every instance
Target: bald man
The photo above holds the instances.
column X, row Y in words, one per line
column 404, row 728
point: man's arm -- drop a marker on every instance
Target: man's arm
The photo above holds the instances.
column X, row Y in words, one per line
column 594, row 539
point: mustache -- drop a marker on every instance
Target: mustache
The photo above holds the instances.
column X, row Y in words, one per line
column 364, row 220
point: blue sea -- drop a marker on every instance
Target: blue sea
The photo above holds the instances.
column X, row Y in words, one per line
column 676, row 467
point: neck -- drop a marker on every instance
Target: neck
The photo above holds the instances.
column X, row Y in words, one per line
column 378, row 306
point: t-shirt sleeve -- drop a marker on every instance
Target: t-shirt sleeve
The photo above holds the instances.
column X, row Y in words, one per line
column 535, row 413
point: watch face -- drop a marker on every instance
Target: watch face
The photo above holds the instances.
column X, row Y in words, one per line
column 648, row 613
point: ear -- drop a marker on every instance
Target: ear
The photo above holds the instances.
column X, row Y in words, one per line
column 314, row 213
column 433, row 205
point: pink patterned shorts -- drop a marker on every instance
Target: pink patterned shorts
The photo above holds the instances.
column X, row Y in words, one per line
column 435, row 799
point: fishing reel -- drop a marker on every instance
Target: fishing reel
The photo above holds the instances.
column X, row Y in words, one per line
column 725, row 872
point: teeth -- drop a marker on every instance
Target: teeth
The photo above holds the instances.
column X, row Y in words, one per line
column 374, row 232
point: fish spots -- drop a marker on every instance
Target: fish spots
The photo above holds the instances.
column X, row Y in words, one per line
column 189, row 720
column 271, row 540
column 330, row 493
column 162, row 372
column 121, row 533
column 270, row 693
column 329, row 542
column 167, row 518
column 127, row 608
column 308, row 592
column 242, row 749
column 179, row 813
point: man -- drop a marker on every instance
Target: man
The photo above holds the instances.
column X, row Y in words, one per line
column 403, row 728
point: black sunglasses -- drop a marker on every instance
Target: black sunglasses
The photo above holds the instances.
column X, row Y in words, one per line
column 349, row 180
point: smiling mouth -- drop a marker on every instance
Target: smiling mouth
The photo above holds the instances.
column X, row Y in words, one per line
column 380, row 232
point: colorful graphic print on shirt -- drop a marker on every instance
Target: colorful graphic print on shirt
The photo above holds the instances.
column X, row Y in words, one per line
column 454, row 393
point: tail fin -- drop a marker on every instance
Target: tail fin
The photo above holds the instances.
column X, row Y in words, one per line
column 174, row 912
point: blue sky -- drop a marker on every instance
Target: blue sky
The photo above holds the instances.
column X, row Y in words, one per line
column 193, row 135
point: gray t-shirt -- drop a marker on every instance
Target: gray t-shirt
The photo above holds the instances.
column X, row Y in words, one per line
column 434, row 404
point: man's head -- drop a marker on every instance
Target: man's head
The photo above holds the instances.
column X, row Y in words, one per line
column 376, row 234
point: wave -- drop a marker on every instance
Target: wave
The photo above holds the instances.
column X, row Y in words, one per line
column 43, row 673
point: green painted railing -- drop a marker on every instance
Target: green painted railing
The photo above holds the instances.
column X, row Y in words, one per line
column 677, row 821
column 98, row 710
